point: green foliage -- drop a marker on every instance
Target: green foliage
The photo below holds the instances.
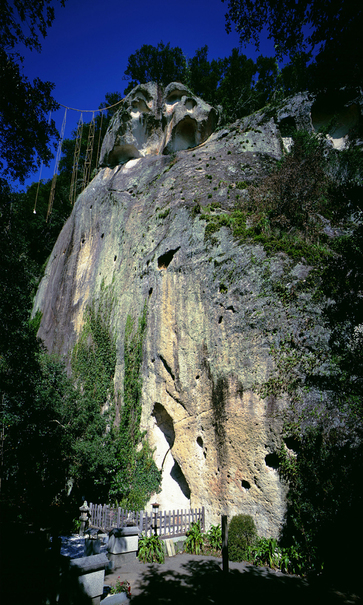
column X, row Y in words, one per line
column 135, row 477
column 93, row 366
column 214, row 537
column 161, row 63
column 303, row 26
column 266, row 552
column 94, row 355
column 25, row 132
column 20, row 15
column 324, row 494
column 288, row 210
column 164, row 214
column 194, row 539
column 121, row 586
column 241, row 536
column 151, row 549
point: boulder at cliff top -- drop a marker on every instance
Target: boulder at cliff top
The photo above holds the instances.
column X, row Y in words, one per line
column 212, row 310
column 154, row 120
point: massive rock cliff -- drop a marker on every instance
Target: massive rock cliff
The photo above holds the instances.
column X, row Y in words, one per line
column 139, row 228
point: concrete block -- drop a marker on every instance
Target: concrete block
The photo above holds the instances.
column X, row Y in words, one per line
column 122, row 540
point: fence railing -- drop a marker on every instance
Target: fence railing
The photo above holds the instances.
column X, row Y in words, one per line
column 167, row 523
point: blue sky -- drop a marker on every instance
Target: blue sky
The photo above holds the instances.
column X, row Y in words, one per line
column 86, row 50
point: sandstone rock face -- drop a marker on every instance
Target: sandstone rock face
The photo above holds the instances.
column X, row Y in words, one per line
column 212, row 312
column 153, row 120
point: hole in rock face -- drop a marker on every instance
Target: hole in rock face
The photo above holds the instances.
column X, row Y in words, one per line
column 220, row 319
column 178, row 476
column 245, row 484
column 287, row 126
column 138, row 105
column 175, row 97
column 185, row 134
column 231, row 308
column 190, row 104
column 150, row 291
column 165, row 423
column 122, row 154
column 272, row 460
column 292, row 443
column 197, row 377
column 167, row 367
column 83, row 240
column 102, row 236
column 115, row 258
column 200, row 441
column 332, row 111
column 165, row 259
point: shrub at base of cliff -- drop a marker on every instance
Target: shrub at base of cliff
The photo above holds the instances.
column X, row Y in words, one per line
column 195, row 541
column 135, row 477
column 324, row 500
column 242, row 534
column 214, row 540
column 151, row 550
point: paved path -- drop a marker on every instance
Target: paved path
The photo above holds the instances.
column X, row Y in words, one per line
column 199, row 580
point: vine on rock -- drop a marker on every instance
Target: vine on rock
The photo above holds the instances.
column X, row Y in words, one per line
column 136, row 475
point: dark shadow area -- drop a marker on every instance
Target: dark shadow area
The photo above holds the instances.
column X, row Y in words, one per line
column 203, row 582
column 32, row 572
column 177, row 474
column 165, row 259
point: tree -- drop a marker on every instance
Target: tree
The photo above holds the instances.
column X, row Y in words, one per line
column 204, row 76
column 34, row 16
column 332, row 29
column 161, row 64
column 235, row 89
column 25, row 134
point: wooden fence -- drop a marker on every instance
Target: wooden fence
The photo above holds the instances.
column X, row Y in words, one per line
column 167, row 523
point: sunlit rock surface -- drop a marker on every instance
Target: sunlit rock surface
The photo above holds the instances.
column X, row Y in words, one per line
column 212, row 309
column 155, row 120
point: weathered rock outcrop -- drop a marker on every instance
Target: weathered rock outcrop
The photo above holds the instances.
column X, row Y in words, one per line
column 212, row 313
column 153, row 120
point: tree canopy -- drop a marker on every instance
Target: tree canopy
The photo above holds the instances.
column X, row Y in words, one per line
column 25, row 133
column 161, row 63
column 330, row 28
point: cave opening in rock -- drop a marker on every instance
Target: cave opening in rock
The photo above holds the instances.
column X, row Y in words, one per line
column 334, row 112
column 287, row 126
column 165, row 259
column 122, row 154
column 178, row 476
column 185, row 134
column 175, row 491
column 165, row 423
column 272, row 460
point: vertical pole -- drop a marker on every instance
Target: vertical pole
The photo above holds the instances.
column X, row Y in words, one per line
column 225, row 544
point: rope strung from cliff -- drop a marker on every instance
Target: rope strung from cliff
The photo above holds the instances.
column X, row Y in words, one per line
column 92, row 110
column 88, row 159
column 77, row 151
column 57, row 160
column 99, row 141
column 89, row 153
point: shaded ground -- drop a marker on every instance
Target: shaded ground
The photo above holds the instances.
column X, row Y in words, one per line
column 29, row 575
column 199, row 580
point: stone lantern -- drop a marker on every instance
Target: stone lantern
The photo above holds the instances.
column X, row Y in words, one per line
column 84, row 517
